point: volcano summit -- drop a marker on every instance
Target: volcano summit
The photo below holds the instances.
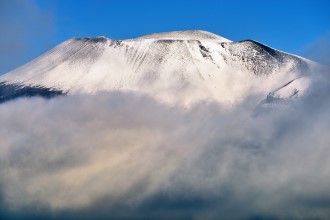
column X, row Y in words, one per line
column 176, row 67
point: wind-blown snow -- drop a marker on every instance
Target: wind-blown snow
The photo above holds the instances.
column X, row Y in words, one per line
column 185, row 35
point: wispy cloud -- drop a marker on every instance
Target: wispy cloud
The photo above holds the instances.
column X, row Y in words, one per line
column 25, row 28
column 319, row 50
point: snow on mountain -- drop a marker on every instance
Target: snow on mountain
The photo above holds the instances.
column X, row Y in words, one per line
column 175, row 67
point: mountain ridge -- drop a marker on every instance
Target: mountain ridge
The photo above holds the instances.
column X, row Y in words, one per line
column 197, row 64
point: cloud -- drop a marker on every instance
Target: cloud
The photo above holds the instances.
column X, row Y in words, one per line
column 25, row 29
column 319, row 50
column 127, row 155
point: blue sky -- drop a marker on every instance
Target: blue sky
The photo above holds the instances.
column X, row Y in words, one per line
column 30, row 28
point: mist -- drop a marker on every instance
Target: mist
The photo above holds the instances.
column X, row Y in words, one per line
column 128, row 155
column 26, row 32
column 319, row 50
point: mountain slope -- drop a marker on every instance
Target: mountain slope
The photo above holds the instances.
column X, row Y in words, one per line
column 176, row 67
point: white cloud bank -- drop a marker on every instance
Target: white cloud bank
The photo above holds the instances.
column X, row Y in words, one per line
column 125, row 155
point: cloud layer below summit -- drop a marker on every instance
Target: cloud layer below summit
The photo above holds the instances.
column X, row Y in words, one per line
column 127, row 155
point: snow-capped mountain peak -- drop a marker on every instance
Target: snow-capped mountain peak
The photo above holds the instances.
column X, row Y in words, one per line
column 176, row 67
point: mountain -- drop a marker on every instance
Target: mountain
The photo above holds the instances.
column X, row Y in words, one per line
column 175, row 67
